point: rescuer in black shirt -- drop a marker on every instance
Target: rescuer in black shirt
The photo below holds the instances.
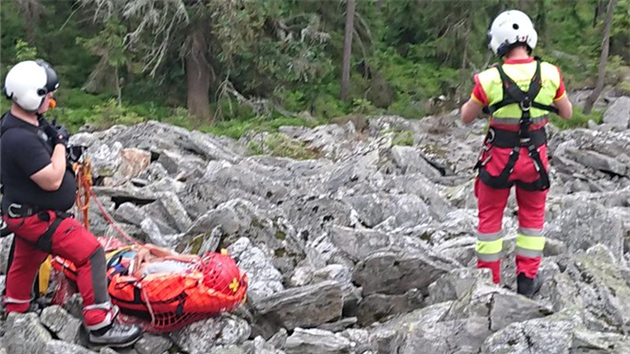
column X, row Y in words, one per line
column 39, row 187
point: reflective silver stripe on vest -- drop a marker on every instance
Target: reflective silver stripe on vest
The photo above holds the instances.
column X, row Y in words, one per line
column 517, row 121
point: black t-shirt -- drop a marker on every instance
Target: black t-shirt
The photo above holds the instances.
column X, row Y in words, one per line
column 25, row 150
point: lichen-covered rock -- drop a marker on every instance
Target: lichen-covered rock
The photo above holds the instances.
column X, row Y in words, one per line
column 60, row 322
column 316, row 341
column 201, row 337
column 395, row 273
column 264, row 278
column 149, row 344
column 552, row 335
column 595, row 282
column 583, row 226
column 25, row 334
column 306, row 306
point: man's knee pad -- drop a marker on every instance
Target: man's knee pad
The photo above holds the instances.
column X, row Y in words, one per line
column 98, row 269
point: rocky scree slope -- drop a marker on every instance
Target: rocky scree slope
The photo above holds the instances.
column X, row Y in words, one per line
column 368, row 248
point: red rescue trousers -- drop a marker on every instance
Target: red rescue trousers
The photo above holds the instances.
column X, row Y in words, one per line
column 70, row 241
column 491, row 202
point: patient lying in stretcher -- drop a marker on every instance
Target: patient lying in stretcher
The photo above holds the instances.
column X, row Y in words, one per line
column 140, row 261
column 154, row 283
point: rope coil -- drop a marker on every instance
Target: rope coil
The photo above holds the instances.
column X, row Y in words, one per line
column 83, row 172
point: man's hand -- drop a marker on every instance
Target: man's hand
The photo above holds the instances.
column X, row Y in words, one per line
column 57, row 135
column 62, row 135
column 142, row 256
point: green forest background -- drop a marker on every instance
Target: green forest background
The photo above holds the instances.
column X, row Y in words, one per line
column 231, row 66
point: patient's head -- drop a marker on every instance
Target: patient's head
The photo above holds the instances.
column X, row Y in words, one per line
column 220, row 273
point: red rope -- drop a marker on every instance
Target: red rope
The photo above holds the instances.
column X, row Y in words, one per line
column 110, row 220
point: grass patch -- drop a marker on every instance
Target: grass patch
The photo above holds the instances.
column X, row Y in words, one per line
column 578, row 120
column 237, row 128
column 278, row 144
column 403, row 138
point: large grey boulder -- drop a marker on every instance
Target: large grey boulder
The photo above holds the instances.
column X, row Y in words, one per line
column 407, row 209
column 265, row 228
column 585, row 341
column 264, row 279
column 227, row 349
column 321, row 250
column 550, row 335
column 61, row 347
column 316, row 341
column 150, row 344
column 342, row 274
column 222, row 175
column 375, row 307
column 595, row 155
column 585, row 224
column 175, row 163
column 260, row 346
column 595, row 282
column 456, row 284
column 306, row 306
column 395, row 273
column 105, row 159
column 25, row 334
column 358, row 244
column 501, row 307
column 417, row 184
column 174, row 210
column 392, row 335
column 461, row 249
column 130, row 213
column 409, row 160
column 201, row 337
column 60, row 322
column 313, row 215
column 463, row 336
column 618, row 114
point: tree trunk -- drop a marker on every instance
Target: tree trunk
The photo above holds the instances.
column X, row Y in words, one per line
column 118, row 87
column 599, row 9
column 347, row 50
column 541, row 22
column 464, row 74
column 198, row 73
column 31, row 10
column 603, row 60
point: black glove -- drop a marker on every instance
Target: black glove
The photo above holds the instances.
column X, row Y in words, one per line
column 57, row 135
column 63, row 135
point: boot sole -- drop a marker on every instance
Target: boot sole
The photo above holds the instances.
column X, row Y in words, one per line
column 115, row 345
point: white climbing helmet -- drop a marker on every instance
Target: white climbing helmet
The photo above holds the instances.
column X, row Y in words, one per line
column 28, row 82
column 511, row 27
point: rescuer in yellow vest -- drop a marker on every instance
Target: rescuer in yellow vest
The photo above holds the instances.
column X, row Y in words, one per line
column 519, row 94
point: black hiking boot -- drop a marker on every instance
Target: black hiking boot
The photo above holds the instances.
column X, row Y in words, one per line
column 115, row 335
column 528, row 286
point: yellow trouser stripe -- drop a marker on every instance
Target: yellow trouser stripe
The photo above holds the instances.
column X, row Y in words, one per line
column 489, row 247
column 534, row 243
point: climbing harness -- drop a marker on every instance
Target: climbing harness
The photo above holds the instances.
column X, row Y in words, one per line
column 531, row 140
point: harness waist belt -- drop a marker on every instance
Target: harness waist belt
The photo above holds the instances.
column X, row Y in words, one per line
column 15, row 210
column 509, row 139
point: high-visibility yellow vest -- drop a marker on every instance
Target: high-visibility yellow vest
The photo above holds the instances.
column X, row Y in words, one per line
column 522, row 74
